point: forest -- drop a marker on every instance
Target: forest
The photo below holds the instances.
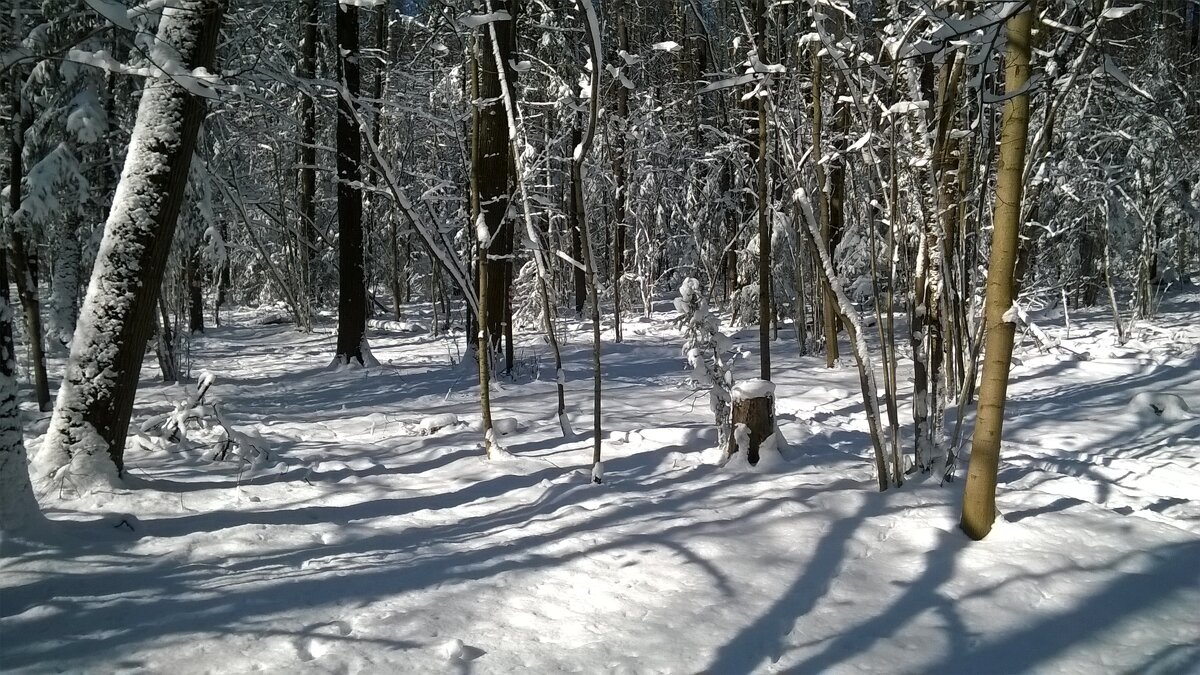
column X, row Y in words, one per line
column 622, row 336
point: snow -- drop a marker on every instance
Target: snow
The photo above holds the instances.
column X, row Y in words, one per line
column 434, row 423
column 367, row 547
column 477, row 20
column 750, row 389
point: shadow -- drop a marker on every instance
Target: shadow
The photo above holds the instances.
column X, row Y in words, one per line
column 1173, row 568
column 1060, row 504
column 764, row 638
column 920, row 595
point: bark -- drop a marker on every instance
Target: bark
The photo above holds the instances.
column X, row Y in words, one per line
column 18, row 507
column 96, row 398
column 979, row 497
column 764, row 208
column 64, row 297
column 195, row 282
column 168, row 364
column 483, row 349
column 306, row 69
column 24, row 266
column 493, row 172
column 574, row 209
column 758, row 416
column 352, row 290
column 829, row 303
column 31, row 308
column 580, row 157
column 620, row 142
column 535, row 235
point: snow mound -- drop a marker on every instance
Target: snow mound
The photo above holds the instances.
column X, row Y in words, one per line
column 452, row 650
column 1169, row 407
column 504, row 426
column 434, row 423
column 751, row 389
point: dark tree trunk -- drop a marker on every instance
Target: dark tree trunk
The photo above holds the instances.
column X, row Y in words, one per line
column 195, row 284
column 117, row 316
column 352, row 292
column 573, row 220
column 17, row 504
column 493, row 172
column 619, row 164
column 306, row 69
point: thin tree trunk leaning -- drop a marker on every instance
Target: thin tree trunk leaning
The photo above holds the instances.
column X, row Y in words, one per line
column 18, row 507
column 580, row 156
column 91, row 417
column 979, row 497
column 352, row 289
column 866, row 370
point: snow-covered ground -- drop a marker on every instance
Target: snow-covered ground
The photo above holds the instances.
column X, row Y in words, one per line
column 367, row 544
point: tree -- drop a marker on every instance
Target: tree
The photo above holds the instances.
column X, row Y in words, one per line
column 352, row 288
column 24, row 260
column 17, row 504
column 91, row 416
column 306, row 70
column 979, row 497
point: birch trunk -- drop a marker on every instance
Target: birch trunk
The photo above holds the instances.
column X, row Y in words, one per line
column 979, row 497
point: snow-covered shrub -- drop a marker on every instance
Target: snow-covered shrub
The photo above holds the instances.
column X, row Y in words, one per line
column 197, row 424
column 709, row 353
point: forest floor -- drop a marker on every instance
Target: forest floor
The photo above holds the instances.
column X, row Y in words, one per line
column 363, row 546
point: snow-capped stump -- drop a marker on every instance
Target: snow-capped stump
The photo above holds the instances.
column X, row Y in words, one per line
column 504, row 426
column 434, row 423
column 753, row 417
column 1168, row 407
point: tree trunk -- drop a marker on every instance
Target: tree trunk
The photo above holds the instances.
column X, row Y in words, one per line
column 164, row 349
column 979, row 497
column 64, row 293
column 92, row 413
column 752, row 418
column 18, row 507
column 493, row 172
column 589, row 258
column 619, row 178
column 764, row 207
column 195, row 283
column 31, row 308
column 482, row 234
column 574, row 209
column 352, row 290
column 829, row 303
column 24, row 267
column 306, row 69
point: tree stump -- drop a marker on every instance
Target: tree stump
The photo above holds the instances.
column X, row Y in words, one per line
column 753, row 417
